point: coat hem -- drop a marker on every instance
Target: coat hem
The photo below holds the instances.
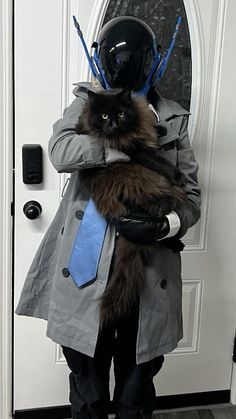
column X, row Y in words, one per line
column 158, row 351
column 86, row 348
column 32, row 312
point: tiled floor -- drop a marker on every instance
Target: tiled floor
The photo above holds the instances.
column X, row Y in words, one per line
column 209, row 412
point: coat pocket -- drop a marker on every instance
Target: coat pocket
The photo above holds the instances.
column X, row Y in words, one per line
column 162, row 297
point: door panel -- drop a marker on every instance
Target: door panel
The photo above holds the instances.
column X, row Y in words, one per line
column 38, row 76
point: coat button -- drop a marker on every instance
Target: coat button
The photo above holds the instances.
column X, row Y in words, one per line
column 163, row 283
column 79, row 214
column 65, row 272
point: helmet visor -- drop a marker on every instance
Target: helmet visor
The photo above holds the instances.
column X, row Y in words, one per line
column 127, row 48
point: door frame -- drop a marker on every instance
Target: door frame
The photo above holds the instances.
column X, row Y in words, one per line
column 6, row 219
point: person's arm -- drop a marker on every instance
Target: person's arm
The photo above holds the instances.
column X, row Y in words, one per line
column 140, row 227
column 190, row 213
column 69, row 151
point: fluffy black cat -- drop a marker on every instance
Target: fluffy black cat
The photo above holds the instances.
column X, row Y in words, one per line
column 148, row 182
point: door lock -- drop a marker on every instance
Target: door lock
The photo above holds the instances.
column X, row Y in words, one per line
column 32, row 209
column 32, row 163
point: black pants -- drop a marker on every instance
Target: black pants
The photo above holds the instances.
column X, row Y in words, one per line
column 134, row 393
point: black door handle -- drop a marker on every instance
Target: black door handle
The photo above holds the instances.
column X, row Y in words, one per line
column 32, row 209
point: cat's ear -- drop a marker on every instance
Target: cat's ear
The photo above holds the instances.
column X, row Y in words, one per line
column 93, row 97
column 126, row 94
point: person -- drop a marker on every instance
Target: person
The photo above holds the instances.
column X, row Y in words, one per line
column 126, row 49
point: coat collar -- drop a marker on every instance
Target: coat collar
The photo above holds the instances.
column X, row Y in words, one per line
column 166, row 109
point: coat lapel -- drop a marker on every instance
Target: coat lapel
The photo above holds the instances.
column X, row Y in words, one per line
column 167, row 110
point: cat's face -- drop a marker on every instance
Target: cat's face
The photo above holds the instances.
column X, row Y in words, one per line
column 111, row 114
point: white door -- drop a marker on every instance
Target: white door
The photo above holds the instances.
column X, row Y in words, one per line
column 48, row 59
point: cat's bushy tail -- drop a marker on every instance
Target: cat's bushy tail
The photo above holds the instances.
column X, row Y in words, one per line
column 125, row 283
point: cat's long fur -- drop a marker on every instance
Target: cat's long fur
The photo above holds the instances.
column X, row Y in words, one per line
column 116, row 189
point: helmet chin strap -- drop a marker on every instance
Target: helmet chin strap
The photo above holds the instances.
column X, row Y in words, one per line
column 156, row 73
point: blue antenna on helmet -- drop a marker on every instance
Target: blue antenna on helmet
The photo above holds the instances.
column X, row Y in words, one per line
column 99, row 76
column 160, row 64
column 91, row 65
column 163, row 64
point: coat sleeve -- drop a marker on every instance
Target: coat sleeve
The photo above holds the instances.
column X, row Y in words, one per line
column 69, row 151
column 190, row 212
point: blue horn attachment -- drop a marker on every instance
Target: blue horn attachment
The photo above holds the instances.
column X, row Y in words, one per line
column 98, row 75
column 163, row 64
column 91, row 65
column 160, row 63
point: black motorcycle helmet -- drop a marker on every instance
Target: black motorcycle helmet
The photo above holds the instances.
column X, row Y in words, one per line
column 127, row 53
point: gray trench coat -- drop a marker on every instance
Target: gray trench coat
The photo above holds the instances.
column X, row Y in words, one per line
column 49, row 293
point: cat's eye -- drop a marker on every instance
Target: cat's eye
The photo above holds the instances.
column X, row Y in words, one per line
column 121, row 114
column 104, row 115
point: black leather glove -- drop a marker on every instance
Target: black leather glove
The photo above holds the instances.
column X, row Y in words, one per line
column 139, row 226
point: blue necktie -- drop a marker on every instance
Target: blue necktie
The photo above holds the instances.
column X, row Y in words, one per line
column 87, row 247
